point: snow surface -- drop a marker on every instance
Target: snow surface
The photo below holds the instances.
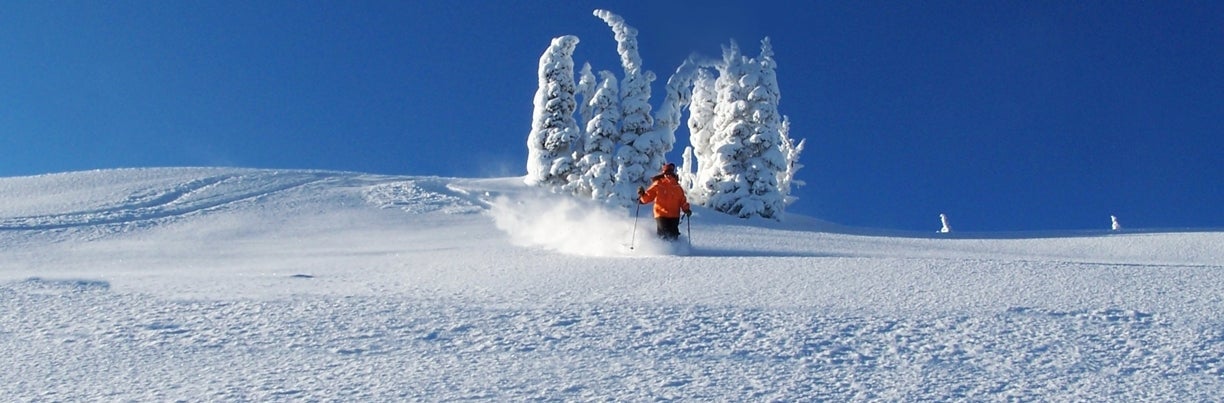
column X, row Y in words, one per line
column 235, row 284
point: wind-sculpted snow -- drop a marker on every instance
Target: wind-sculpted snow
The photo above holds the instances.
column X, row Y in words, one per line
column 252, row 285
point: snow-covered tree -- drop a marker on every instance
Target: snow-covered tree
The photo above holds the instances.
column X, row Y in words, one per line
column 679, row 91
column 771, row 121
column 641, row 152
column 726, row 182
column 687, row 177
column 748, row 153
column 586, row 89
column 943, row 219
column 1114, row 224
column 763, row 149
column 702, row 103
column 791, row 150
column 553, row 129
column 602, row 132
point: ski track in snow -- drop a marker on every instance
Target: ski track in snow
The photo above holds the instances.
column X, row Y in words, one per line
column 253, row 285
column 147, row 205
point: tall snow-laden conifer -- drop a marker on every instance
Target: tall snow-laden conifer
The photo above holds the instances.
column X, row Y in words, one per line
column 679, row 91
column 553, row 129
column 763, row 150
column 668, row 117
column 586, row 89
column 640, row 153
column 726, row 184
column 701, row 131
column 687, row 177
column 602, row 133
column 748, row 153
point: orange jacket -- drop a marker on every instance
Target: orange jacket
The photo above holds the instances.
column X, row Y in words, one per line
column 667, row 196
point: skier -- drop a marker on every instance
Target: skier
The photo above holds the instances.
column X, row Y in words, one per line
column 669, row 200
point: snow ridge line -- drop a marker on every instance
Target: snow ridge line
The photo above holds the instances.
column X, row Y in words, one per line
column 153, row 204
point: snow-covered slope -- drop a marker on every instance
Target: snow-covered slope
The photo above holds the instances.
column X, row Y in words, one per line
column 234, row 284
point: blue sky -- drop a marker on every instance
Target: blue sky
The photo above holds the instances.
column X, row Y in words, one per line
column 1007, row 116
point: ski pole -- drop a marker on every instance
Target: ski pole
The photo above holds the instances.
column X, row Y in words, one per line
column 633, row 237
column 689, row 223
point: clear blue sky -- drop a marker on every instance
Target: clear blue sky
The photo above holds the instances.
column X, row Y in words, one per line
column 1024, row 115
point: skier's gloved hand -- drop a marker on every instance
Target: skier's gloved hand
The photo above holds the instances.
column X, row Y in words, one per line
column 688, row 213
column 641, row 191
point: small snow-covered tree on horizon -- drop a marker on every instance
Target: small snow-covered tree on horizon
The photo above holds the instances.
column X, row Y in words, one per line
column 550, row 159
column 791, row 150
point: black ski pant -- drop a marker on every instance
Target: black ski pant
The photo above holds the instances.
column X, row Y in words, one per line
column 669, row 227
